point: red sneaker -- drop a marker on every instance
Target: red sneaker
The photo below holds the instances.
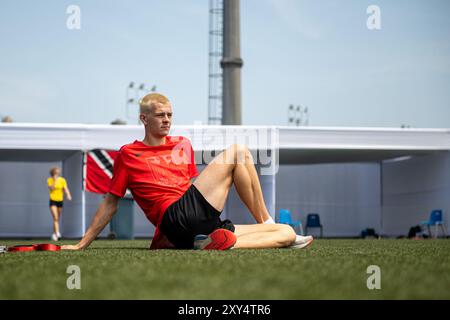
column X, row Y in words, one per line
column 219, row 239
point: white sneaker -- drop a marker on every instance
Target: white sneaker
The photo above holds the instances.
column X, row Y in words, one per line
column 301, row 242
column 54, row 237
column 58, row 235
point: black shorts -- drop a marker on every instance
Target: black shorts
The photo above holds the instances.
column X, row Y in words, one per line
column 189, row 216
column 59, row 204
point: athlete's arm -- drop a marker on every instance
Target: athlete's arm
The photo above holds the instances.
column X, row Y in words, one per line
column 103, row 215
column 67, row 191
column 52, row 187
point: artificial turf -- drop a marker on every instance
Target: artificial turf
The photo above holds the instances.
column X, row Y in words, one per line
column 329, row 269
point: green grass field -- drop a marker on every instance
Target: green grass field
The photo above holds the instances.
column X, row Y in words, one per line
column 329, row 269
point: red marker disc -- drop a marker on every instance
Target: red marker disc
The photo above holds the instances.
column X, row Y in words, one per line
column 35, row 247
column 48, row 247
column 22, row 248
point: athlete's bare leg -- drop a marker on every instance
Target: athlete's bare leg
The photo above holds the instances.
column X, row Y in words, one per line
column 236, row 165
column 59, row 213
column 259, row 236
column 55, row 216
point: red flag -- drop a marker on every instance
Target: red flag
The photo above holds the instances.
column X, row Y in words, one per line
column 99, row 170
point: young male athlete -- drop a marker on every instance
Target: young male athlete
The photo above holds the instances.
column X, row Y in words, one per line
column 159, row 172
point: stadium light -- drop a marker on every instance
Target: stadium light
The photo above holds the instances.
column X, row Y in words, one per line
column 298, row 115
column 291, row 114
column 133, row 93
column 298, row 118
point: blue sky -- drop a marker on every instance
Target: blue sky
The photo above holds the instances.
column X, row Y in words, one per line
column 315, row 53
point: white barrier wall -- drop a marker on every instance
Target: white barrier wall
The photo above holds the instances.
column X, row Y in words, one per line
column 24, row 197
column 346, row 196
column 72, row 217
column 414, row 187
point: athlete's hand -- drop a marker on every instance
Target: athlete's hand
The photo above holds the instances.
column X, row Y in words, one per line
column 70, row 247
column 69, row 198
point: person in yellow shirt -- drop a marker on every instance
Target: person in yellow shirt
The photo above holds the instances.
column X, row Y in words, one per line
column 57, row 185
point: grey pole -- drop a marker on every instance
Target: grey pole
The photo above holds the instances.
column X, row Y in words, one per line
column 231, row 64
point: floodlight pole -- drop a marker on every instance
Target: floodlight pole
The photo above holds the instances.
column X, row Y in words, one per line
column 231, row 64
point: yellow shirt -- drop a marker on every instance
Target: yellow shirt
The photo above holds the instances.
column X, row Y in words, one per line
column 57, row 193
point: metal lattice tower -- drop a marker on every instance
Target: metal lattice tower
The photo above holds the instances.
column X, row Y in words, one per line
column 215, row 56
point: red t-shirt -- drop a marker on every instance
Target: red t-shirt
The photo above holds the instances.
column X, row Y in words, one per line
column 157, row 176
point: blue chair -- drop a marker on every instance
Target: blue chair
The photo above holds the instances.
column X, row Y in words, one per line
column 435, row 220
column 313, row 221
column 286, row 218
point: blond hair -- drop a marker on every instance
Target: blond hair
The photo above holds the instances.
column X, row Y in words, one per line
column 52, row 170
column 147, row 102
